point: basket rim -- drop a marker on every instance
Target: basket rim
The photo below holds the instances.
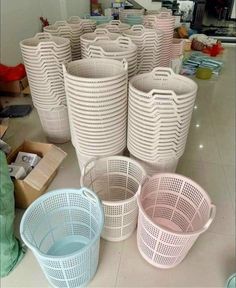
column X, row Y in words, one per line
column 158, row 226
column 48, row 195
column 128, row 159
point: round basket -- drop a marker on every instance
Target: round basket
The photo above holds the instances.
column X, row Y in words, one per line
column 115, row 180
column 173, row 212
column 63, row 229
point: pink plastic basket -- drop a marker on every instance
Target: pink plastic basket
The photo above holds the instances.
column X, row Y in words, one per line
column 173, row 212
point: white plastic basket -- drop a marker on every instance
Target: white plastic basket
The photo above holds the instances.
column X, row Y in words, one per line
column 63, row 229
column 173, row 212
column 115, row 180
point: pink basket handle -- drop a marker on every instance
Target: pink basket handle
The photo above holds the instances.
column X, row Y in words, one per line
column 212, row 216
column 137, row 28
column 165, row 13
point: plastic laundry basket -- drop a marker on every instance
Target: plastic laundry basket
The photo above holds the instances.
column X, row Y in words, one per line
column 63, row 229
column 116, row 180
column 174, row 211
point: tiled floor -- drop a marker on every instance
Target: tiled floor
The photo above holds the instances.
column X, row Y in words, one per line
column 209, row 160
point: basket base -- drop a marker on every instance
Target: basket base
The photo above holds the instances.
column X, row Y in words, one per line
column 67, row 245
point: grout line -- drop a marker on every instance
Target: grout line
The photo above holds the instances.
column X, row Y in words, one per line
column 118, row 270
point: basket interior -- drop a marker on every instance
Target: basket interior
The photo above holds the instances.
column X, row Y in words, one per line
column 175, row 204
column 96, row 69
column 62, row 223
column 113, row 179
column 147, row 82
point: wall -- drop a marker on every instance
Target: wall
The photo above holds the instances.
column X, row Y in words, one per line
column 148, row 4
column 20, row 20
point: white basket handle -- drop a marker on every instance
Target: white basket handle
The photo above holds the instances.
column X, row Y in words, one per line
column 115, row 22
column 137, row 28
column 212, row 216
column 89, row 194
column 102, row 37
column 74, row 18
column 124, row 41
column 101, row 31
column 93, row 159
column 60, row 23
column 43, row 36
column 113, row 28
column 162, row 72
column 125, row 64
column 143, row 182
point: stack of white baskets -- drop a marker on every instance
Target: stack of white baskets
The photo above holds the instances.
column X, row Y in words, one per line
column 160, row 110
column 119, row 49
column 43, row 56
column 149, row 44
column 69, row 31
column 123, row 13
column 165, row 22
column 177, row 54
column 87, row 24
column 115, row 26
column 98, row 34
column 96, row 92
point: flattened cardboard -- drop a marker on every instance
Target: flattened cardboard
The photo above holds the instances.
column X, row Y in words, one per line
column 37, row 181
column 3, row 127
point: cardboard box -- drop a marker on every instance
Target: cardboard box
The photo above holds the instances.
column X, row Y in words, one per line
column 3, row 127
column 37, row 181
column 13, row 87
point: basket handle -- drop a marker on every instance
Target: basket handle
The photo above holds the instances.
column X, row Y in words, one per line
column 43, row 36
column 60, row 23
column 212, row 216
column 89, row 194
column 137, row 28
column 165, row 13
column 86, row 165
column 115, row 22
column 125, row 64
column 124, row 41
column 103, row 37
column 143, row 182
column 74, row 18
column 163, row 72
column 101, row 31
column 113, row 28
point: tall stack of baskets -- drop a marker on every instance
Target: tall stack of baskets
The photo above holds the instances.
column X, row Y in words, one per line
column 121, row 48
column 69, row 31
column 43, row 56
column 149, row 44
column 160, row 110
column 96, row 92
column 98, row 34
column 87, row 24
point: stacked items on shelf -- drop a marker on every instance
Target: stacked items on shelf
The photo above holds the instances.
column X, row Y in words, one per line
column 69, row 31
column 160, row 110
column 96, row 92
column 124, row 13
column 43, row 56
column 199, row 60
column 165, row 22
column 149, row 44
column 177, row 54
column 98, row 34
column 87, row 24
column 119, row 49
column 115, row 180
column 115, row 26
column 99, row 19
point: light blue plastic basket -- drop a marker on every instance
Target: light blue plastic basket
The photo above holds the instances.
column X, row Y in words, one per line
column 63, row 229
column 231, row 282
column 99, row 19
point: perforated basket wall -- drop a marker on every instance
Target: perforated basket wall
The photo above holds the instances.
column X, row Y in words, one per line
column 173, row 212
column 115, row 180
column 63, row 228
